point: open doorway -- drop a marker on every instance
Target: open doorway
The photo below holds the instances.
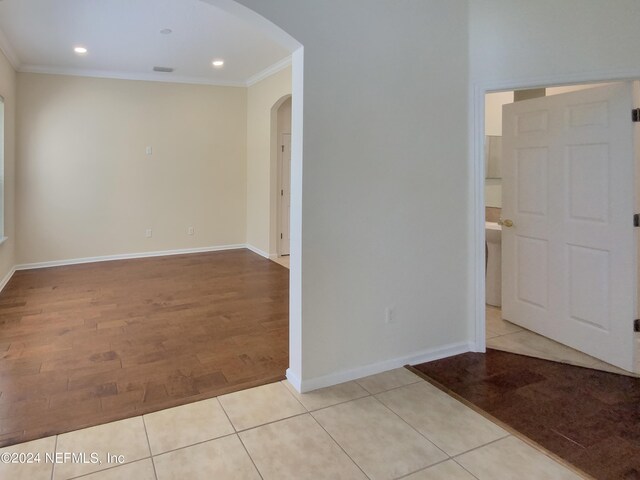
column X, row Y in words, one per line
column 559, row 164
column 281, row 129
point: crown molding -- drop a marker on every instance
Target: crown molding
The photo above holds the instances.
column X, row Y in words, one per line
column 146, row 77
column 267, row 72
column 9, row 51
column 152, row 77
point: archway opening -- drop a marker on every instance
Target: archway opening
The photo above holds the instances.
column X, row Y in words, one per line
column 281, row 176
column 295, row 223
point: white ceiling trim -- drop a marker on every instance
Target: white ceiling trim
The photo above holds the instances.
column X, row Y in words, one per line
column 146, row 77
column 267, row 72
column 150, row 77
column 8, row 51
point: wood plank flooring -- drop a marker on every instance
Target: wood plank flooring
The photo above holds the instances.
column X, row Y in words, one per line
column 88, row 344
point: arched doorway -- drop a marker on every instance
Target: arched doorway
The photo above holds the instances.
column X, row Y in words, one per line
column 281, row 173
column 295, row 223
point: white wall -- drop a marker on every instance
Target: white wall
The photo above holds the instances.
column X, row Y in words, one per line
column 86, row 187
column 8, row 92
column 261, row 171
column 519, row 43
column 384, row 180
column 521, row 40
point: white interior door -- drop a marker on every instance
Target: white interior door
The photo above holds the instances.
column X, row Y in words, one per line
column 285, row 193
column 569, row 260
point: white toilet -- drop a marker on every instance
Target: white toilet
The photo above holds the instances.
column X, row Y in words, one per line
column 493, row 233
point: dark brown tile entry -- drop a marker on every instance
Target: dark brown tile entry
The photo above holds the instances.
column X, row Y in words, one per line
column 587, row 417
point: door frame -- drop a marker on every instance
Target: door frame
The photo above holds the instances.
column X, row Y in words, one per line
column 274, row 177
column 476, row 128
column 279, row 216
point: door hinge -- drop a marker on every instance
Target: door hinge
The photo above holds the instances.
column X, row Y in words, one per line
column 280, row 236
column 635, row 115
column 636, row 325
column 636, row 220
column 282, row 193
column 283, row 145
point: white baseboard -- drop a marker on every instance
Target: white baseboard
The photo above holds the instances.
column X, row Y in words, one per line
column 262, row 253
column 7, row 277
column 478, row 347
column 127, row 256
column 353, row 374
column 293, row 379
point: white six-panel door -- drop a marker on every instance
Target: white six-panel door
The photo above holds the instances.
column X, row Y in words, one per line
column 569, row 260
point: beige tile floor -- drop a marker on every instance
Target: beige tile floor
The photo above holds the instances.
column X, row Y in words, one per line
column 387, row 426
column 505, row 336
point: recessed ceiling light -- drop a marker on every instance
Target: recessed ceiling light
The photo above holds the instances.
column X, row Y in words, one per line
column 218, row 63
column 80, row 50
column 166, row 31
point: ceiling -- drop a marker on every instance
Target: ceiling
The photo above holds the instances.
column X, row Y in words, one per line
column 124, row 41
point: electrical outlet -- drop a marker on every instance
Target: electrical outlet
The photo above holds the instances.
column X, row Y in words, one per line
column 191, row 231
column 390, row 315
column 148, row 233
column 149, row 150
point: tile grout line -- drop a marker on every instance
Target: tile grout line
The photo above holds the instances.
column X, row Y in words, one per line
column 335, row 404
column 55, row 449
column 385, row 390
column 449, row 457
column 292, row 395
column 424, row 469
column 340, row 403
column 159, row 454
column 228, row 435
column 368, row 394
column 226, row 415
column 250, row 457
column 235, row 432
column 272, row 422
column 110, row 468
column 501, row 335
column 464, row 468
column 414, row 429
column 435, row 465
column 480, row 446
column 114, row 466
column 146, row 433
column 339, row 446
